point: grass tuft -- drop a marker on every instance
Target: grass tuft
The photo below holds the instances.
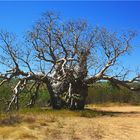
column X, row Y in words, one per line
column 10, row 120
column 29, row 119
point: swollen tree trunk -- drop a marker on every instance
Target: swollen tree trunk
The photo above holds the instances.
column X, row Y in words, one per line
column 78, row 96
column 68, row 94
column 79, row 87
column 67, row 87
column 55, row 100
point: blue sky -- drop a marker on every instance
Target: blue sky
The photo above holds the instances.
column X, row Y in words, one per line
column 19, row 16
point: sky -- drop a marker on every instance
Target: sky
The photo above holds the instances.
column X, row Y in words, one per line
column 18, row 17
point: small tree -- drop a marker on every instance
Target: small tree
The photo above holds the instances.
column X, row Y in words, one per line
column 67, row 56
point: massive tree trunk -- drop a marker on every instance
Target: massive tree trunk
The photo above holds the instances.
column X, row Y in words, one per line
column 78, row 96
column 72, row 95
column 71, row 92
column 74, row 98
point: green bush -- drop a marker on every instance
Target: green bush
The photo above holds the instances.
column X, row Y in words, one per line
column 99, row 93
column 24, row 96
column 5, row 94
column 105, row 92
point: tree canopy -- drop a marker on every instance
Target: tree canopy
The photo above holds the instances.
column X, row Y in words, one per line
column 67, row 56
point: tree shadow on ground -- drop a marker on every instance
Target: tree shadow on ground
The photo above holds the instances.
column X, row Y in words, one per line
column 13, row 118
column 90, row 113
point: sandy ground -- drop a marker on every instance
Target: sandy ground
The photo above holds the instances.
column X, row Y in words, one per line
column 122, row 124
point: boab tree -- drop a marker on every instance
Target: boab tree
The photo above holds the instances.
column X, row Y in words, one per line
column 66, row 56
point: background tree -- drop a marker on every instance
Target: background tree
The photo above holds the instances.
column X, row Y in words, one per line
column 67, row 56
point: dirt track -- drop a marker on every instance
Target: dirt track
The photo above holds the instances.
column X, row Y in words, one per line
column 122, row 124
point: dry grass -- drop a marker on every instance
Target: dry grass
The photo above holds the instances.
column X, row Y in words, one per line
column 29, row 119
column 10, row 120
column 96, row 124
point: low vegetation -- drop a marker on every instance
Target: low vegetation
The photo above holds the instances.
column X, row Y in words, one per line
column 101, row 93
